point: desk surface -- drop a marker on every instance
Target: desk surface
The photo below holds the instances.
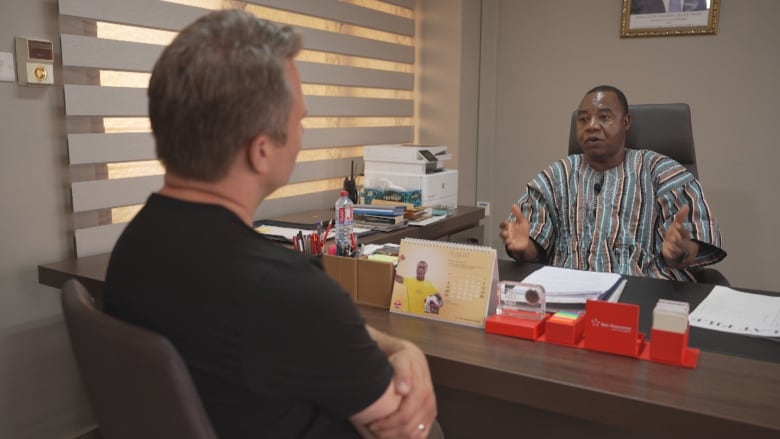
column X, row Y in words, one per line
column 645, row 292
column 724, row 396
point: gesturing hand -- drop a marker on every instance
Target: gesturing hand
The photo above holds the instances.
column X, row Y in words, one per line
column 678, row 249
column 516, row 233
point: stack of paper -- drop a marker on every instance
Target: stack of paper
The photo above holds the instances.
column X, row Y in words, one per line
column 563, row 285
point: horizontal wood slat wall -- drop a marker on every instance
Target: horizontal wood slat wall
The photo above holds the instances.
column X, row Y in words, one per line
column 343, row 12
column 352, row 100
column 93, row 100
column 125, row 147
column 409, row 4
column 96, row 194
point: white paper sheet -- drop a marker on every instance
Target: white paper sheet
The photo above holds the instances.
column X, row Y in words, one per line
column 737, row 312
column 429, row 220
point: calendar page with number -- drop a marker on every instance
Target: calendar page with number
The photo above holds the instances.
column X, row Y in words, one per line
column 445, row 281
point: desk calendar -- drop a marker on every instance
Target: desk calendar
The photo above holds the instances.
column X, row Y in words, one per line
column 445, row 281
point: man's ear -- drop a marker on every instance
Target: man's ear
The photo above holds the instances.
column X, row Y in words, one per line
column 628, row 121
column 259, row 154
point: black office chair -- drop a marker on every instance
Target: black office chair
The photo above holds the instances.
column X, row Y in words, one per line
column 667, row 129
column 664, row 128
column 136, row 381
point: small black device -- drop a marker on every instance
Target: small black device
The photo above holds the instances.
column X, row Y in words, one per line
column 349, row 184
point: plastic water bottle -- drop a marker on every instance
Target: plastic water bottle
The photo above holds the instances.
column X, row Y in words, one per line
column 343, row 224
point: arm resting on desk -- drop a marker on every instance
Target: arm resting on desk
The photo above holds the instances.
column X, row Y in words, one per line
column 412, row 379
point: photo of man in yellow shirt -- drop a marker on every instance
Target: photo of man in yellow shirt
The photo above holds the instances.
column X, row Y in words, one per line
column 419, row 290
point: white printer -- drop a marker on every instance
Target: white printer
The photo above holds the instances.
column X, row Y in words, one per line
column 410, row 173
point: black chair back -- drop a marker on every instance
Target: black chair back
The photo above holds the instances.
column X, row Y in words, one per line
column 136, row 381
column 664, row 128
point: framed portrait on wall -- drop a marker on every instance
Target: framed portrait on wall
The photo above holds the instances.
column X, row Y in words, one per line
column 651, row 18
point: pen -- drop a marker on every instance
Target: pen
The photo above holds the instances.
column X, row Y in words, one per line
column 327, row 230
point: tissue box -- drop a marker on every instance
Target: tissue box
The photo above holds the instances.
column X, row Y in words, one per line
column 413, row 197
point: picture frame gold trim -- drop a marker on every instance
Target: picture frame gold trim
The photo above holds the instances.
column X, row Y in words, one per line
column 668, row 24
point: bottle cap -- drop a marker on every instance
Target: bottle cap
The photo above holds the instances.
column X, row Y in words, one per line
column 344, row 193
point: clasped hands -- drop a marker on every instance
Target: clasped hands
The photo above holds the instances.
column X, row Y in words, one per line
column 412, row 379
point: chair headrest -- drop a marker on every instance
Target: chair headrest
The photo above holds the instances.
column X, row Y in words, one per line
column 664, row 128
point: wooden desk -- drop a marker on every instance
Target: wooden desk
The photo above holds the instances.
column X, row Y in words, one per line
column 91, row 270
column 725, row 396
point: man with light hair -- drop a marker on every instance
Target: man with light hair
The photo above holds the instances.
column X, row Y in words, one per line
column 275, row 347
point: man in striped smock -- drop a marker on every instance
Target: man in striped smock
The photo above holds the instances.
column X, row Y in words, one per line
column 614, row 209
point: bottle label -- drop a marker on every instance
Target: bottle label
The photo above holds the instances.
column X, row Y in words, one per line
column 345, row 215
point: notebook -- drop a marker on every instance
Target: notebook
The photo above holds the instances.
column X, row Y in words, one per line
column 445, row 281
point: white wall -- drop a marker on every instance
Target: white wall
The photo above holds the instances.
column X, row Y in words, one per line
column 40, row 392
column 546, row 54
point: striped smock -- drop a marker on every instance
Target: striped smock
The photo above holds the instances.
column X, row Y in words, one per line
column 616, row 220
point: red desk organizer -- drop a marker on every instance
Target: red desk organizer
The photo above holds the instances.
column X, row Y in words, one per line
column 612, row 327
column 608, row 327
column 564, row 330
column 515, row 326
column 671, row 348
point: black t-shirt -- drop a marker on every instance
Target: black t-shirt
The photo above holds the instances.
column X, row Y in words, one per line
column 275, row 347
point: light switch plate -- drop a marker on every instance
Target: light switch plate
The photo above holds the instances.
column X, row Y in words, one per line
column 7, row 72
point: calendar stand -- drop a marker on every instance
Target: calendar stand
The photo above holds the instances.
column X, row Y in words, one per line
column 445, row 281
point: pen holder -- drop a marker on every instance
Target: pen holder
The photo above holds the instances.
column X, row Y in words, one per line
column 672, row 348
column 367, row 282
column 668, row 346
